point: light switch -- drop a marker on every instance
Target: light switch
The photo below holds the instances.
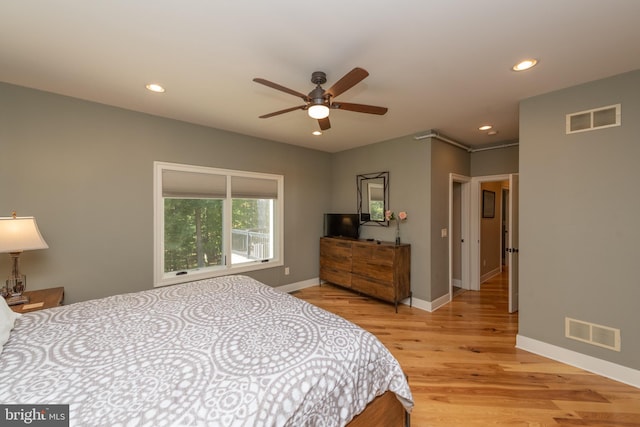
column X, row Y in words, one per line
column 443, row 233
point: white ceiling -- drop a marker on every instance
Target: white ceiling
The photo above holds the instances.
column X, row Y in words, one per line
column 437, row 64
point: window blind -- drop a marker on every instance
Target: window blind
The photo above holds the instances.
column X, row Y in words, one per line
column 243, row 187
column 193, row 185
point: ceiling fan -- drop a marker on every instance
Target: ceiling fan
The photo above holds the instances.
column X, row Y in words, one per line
column 319, row 101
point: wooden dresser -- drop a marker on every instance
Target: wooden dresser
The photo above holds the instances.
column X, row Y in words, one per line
column 380, row 270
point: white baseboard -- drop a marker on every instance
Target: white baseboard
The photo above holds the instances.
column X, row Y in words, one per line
column 417, row 303
column 490, row 275
column 439, row 302
column 588, row 363
column 292, row 287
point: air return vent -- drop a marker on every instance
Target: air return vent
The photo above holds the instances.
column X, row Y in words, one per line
column 591, row 333
column 598, row 118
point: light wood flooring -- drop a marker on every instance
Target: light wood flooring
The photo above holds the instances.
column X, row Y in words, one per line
column 464, row 369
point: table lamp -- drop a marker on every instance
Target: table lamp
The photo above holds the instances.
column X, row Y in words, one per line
column 18, row 234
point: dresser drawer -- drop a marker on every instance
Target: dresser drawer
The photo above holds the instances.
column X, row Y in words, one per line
column 360, row 250
column 381, row 254
column 335, row 254
column 383, row 291
column 336, row 244
column 374, row 270
column 337, row 277
column 336, row 263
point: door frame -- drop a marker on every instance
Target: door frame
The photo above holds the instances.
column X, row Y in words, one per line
column 465, row 198
column 474, row 232
column 514, row 239
column 505, row 227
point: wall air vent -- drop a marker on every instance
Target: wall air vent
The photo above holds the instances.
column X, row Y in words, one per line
column 591, row 333
column 597, row 118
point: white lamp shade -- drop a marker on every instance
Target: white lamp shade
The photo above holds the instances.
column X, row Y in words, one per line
column 20, row 234
column 318, row 111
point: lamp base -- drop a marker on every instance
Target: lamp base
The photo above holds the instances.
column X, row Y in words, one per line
column 18, row 299
column 16, row 284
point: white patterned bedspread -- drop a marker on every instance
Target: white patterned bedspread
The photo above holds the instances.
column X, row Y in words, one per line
column 221, row 352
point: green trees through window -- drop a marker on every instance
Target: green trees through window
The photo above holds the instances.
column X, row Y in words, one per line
column 193, row 231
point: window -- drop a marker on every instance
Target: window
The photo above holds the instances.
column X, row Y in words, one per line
column 211, row 222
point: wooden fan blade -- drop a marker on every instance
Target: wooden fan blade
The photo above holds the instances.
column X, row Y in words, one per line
column 275, row 113
column 359, row 108
column 349, row 80
column 281, row 88
column 324, row 123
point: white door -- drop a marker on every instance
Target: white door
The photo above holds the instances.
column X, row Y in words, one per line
column 459, row 218
column 512, row 249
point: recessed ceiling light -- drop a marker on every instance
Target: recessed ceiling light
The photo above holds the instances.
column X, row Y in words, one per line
column 524, row 65
column 153, row 87
column 485, row 127
column 316, row 132
column 493, row 132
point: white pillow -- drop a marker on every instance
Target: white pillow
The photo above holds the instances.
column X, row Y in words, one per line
column 7, row 319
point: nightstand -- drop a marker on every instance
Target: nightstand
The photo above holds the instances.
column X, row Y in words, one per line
column 40, row 299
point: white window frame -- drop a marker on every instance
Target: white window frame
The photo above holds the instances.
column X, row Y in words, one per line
column 160, row 278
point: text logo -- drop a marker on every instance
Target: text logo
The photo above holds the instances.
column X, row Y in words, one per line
column 34, row 415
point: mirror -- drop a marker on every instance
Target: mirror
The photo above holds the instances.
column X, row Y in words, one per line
column 373, row 198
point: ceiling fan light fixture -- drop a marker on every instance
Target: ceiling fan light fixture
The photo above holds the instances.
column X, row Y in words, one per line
column 319, row 101
column 318, row 111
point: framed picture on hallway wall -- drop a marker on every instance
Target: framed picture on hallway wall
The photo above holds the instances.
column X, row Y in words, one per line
column 488, row 204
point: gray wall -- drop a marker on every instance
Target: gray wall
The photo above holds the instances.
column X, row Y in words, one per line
column 419, row 184
column 579, row 210
column 85, row 171
column 446, row 159
column 495, row 162
column 408, row 163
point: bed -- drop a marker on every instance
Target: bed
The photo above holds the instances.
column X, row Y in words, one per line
column 229, row 351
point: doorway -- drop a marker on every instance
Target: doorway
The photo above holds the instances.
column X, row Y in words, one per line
column 471, row 210
column 492, row 223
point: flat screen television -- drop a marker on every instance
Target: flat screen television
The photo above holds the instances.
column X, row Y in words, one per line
column 341, row 225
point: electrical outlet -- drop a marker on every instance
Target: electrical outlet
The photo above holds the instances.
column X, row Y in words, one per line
column 286, row 271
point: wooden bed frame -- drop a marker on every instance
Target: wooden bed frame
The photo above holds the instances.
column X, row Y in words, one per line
column 385, row 410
